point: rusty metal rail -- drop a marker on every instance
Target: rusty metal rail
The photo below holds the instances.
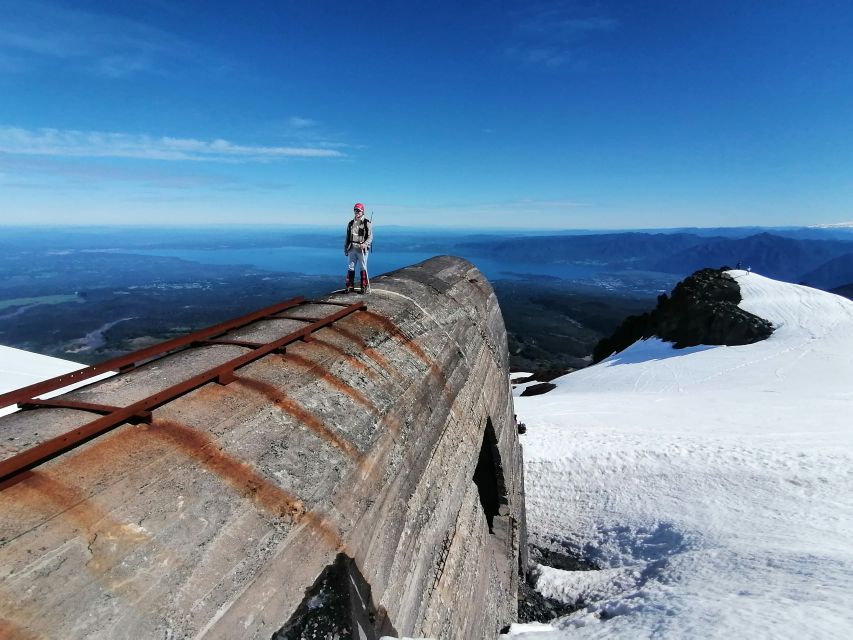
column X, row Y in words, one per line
column 140, row 411
column 132, row 360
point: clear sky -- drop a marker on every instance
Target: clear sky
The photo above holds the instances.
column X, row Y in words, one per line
column 508, row 114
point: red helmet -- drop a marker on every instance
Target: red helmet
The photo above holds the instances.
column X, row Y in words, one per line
column 358, row 207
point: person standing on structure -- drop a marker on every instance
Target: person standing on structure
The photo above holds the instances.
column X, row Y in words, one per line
column 357, row 246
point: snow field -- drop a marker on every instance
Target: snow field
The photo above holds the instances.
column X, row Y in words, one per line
column 20, row 368
column 712, row 485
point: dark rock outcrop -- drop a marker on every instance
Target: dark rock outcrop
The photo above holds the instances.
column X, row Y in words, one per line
column 703, row 309
column 538, row 389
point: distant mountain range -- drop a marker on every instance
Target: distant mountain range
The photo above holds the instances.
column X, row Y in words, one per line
column 822, row 263
column 832, row 274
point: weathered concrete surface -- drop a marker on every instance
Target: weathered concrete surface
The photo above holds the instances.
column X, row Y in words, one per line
column 214, row 520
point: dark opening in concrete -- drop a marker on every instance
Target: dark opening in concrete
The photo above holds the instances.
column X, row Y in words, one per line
column 489, row 477
column 338, row 605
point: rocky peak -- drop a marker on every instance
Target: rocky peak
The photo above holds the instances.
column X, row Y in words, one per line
column 702, row 309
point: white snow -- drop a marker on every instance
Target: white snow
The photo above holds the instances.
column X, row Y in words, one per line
column 712, row 485
column 832, row 225
column 20, row 368
column 519, row 628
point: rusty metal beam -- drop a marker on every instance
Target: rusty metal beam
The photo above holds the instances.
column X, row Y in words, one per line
column 103, row 409
column 283, row 317
column 299, row 334
column 337, row 304
column 223, row 374
column 237, row 343
column 131, row 360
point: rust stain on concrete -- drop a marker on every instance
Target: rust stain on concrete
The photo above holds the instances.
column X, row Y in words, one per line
column 244, row 478
column 300, row 413
column 327, row 534
column 11, row 631
column 211, row 392
column 376, row 460
column 370, row 352
column 393, row 423
column 389, row 419
column 104, row 455
column 321, row 372
column 346, row 357
column 240, row 476
column 51, row 495
column 107, row 539
column 383, row 323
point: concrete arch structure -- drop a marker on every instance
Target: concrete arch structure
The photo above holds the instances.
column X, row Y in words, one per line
column 344, row 468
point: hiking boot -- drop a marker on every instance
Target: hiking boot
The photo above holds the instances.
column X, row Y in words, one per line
column 350, row 284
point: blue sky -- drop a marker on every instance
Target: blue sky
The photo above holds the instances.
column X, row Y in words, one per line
column 484, row 114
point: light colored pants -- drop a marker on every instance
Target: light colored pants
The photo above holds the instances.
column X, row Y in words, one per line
column 359, row 257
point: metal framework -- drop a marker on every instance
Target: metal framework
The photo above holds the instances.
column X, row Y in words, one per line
column 140, row 411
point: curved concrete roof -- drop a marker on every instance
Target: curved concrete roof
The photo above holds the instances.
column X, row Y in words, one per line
column 217, row 518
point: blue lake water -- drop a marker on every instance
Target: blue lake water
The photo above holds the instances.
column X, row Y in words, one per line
column 328, row 261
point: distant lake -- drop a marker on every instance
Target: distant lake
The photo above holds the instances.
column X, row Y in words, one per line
column 328, row 261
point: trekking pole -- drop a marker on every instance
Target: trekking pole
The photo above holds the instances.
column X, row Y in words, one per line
column 363, row 263
column 366, row 272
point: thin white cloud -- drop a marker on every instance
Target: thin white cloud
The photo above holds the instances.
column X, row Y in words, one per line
column 96, row 144
column 44, row 32
column 554, row 24
column 306, row 132
column 551, row 33
column 298, row 122
column 549, row 57
column 74, row 173
column 117, row 66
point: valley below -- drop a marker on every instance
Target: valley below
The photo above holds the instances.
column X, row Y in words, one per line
column 90, row 296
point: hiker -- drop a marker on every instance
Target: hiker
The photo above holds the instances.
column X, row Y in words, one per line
column 356, row 247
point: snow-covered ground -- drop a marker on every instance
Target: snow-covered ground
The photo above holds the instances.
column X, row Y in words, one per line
column 20, row 368
column 712, row 485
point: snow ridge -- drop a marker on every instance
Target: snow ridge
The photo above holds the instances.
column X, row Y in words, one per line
column 712, row 485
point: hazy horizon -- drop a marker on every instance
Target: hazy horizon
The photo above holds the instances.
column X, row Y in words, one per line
column 842, row 226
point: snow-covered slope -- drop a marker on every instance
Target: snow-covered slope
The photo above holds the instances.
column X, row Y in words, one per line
column 713, row 485
column 21, row 368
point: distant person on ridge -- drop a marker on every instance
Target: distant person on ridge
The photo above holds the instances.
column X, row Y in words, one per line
column 357, row 246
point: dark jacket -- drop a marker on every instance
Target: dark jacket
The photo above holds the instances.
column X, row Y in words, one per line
column 358, row 233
